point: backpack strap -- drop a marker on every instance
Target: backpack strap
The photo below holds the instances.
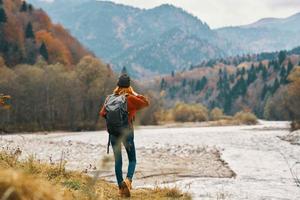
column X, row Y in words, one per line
column 108, row 144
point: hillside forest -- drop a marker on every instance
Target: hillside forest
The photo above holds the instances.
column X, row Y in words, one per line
column 54, row 82
column 266, row 84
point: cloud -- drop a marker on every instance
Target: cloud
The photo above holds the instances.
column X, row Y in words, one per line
column 219, row 13
column 285, row 3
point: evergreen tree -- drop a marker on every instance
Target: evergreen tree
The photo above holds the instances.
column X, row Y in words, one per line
column 124, row 70
column 276, row 66
column 30, row 8
column 172, row 73
column 23, row 7
column 290, row 67
column 243, row 86
column 200, row 84
column 238, row 72
column 243, row 71
column 183, row 83
column 44, row 52
column 163, row 84
column 275, row 86
column 224, row 96
column 260, row 67
column 231, row 78
column 251, row 75
column 264, row 73
column 220, row 72
column 264, row 92
column 3, row 17
column 283, row 72
column 281, row 56
column 29, row 32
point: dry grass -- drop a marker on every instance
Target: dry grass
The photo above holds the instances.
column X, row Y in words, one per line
column 183, row 113
column 240, row 118
column 31, row 179
column 245, row 118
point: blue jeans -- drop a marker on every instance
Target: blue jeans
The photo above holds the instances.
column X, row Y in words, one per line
column 128, row 141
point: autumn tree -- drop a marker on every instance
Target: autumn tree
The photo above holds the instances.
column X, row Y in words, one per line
column 294, row 95
column 57, row 50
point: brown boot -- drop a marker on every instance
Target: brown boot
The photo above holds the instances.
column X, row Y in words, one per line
column 124, row 190
column 120, row 191
column 128, row 183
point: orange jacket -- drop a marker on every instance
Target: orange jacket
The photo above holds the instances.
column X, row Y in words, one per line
column 134, row 103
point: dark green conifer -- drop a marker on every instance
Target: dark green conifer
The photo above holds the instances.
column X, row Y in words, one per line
column 29, row 31
column 281, row 56
column 264, row 73
column 3, row 17
column 276, row 85
column 44, row 52
column 290, row 67
column 23, row 7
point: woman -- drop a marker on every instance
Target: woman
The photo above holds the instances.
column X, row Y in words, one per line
column 134, row 102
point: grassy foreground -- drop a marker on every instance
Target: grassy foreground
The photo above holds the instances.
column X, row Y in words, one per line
column 31, row 179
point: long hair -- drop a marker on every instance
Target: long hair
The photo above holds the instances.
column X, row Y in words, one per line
column 121, row 90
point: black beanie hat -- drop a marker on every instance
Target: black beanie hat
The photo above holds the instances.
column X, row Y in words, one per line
column 124, row 81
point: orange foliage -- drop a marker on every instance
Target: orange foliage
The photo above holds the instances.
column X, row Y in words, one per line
column 41, row 20
column 57, row 50
column 73, row 45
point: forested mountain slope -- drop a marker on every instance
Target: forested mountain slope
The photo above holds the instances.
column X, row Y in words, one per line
column 253, row 83
column 27, row 33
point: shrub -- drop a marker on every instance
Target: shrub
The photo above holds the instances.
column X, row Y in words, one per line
column 216, row 114
column 245, row 118
column 190, row 113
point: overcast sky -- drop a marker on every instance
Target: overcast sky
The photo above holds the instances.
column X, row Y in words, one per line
column 218, row 13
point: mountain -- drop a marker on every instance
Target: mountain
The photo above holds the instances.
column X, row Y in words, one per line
column 269, row 34
column 165, row 38
column 134, row 37
column 291, row 23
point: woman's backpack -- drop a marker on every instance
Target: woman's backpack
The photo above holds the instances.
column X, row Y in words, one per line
column 116, row 113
